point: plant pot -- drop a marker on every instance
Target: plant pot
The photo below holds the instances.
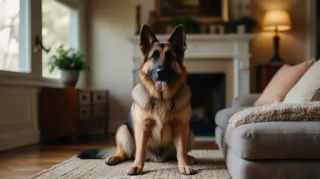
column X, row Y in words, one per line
column 69, row 77
column 241, row 29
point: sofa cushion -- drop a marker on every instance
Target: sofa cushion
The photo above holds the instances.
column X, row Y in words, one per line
column 285, row 78
column 222, row 117
column 275, row 140
column 306, row 87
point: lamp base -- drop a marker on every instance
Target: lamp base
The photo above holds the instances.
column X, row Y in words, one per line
column 276, row 60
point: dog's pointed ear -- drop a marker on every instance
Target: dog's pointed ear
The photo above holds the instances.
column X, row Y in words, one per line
column 147, row 38
column 178, row 38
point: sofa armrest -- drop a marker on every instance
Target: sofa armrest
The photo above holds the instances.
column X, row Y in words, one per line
column 245, row 100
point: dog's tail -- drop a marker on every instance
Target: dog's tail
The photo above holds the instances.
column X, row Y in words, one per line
column 94, row 153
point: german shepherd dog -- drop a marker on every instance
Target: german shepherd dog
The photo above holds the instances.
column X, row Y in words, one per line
column 158, row 126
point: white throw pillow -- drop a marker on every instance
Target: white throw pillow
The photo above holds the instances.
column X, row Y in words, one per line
column 306, row 87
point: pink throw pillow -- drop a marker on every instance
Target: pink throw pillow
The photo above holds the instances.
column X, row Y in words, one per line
column 285, row 78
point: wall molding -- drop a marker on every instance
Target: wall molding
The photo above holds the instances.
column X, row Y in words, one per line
column 18, row 117
column 13, row 140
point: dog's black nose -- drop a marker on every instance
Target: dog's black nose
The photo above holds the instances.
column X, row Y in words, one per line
column 160, row 71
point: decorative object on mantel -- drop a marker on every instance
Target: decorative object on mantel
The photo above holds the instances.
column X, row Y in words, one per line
column 276, row 20
column 70, row 62
column 241, row 29
column 203, row 28
column 212, row 29
column 138, row 19
column 247, row 24
column 221, row 29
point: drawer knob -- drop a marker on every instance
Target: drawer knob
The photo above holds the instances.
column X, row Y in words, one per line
column 99, row 97
column 84, row 97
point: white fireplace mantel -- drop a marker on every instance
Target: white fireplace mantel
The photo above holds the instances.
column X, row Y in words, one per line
column 204, row 46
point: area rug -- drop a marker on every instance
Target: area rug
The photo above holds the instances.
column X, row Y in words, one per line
column 211, row 165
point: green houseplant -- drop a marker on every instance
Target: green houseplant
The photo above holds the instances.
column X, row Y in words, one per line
column 249, row 22
column 191, row 26
column 70, row 62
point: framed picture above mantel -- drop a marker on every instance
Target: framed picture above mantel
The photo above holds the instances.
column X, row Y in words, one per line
column 203, row 11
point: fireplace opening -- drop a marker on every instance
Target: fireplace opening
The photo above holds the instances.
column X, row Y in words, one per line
column 208, row 96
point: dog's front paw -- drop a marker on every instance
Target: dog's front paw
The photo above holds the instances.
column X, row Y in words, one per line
column 113, row 160
column 135, row 171
column 186, row 170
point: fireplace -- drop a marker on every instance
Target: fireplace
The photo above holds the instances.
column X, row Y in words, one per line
column 208, row 96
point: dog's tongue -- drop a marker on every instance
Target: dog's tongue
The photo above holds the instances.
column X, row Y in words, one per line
column 161, row 85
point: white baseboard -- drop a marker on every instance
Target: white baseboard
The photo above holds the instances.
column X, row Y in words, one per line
column 18, row 139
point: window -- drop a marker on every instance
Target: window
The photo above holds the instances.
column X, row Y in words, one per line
column 59, row 24
column 14, row 38
column 21, row 21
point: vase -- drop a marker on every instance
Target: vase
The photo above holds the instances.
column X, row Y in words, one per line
column 221, row 29
column 69, row 77
column 241, row 29
column 212, row 29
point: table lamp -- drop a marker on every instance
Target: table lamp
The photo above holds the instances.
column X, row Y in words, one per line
column 276, row 20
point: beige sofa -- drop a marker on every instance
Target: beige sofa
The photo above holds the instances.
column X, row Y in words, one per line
column 284, row 148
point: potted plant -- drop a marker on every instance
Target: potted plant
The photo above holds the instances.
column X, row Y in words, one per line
column 191, row 26
column 70, row 62
column 228, row 26
column 248, row 22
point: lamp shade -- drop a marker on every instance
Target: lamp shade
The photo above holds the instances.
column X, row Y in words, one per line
column 276, row 19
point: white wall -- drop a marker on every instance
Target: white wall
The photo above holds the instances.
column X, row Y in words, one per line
column 111, row 23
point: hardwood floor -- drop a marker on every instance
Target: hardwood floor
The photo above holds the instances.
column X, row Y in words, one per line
column 25, row 161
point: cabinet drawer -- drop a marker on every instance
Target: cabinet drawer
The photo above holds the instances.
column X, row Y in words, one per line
column 99, row 97
column 84, row 112
column 99, row 110
column 84, row 97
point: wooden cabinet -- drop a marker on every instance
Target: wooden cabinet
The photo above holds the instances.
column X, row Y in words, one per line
column 72, row 112
column 264, row 74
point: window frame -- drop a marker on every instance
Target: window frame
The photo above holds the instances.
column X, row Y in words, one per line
column 34, row 25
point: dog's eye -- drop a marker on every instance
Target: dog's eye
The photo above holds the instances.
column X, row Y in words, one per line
column 155, row 55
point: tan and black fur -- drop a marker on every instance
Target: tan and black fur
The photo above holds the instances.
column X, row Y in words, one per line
column 161, row 111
